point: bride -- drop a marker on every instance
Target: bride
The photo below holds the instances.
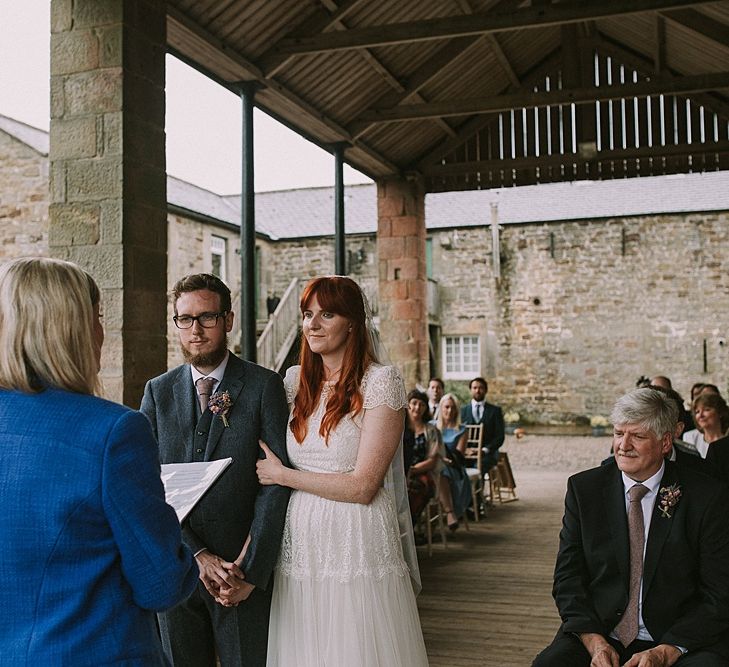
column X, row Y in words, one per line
column 342, row 593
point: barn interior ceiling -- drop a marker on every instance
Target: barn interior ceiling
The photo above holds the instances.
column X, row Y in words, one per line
column 473, row 94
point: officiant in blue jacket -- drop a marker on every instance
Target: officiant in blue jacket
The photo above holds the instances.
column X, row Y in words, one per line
column 89, row 548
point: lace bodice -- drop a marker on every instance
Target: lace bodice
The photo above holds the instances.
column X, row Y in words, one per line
column 327, row 539
column 381, row 385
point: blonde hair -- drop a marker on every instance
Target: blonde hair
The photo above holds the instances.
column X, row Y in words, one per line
column 456, row 417
column 46, row 326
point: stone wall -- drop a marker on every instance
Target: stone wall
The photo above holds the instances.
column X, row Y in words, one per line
column 583, row 309
column 23, row 200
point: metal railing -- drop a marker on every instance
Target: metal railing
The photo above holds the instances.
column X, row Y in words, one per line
column 280, row 333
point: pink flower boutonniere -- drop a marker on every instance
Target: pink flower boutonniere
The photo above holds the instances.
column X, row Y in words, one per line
column 668, row 497
column 220, row 404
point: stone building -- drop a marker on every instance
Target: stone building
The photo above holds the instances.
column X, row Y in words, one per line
column 576, row 291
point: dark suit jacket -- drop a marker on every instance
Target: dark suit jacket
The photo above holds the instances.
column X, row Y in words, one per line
column 493, row 425
column 717, row 460
column 236, row 504
column 686, row 568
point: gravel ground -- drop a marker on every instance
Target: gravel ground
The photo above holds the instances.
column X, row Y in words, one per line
column 568, row 453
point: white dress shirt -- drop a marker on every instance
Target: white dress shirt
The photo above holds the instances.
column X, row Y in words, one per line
column 475, row 406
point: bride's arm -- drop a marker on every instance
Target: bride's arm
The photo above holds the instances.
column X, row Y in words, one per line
column 381, row 432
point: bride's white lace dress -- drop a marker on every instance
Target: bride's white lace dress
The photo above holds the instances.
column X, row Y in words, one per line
column 342, row 595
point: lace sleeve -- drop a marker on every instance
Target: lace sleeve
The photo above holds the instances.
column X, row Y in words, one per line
column 383, row 385
column 291, row 383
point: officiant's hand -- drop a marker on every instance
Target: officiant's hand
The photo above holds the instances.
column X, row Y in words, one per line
column 270, row 470
column 216, row 573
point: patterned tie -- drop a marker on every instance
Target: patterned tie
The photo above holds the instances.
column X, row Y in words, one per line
column 204, row 387
column 627, row 630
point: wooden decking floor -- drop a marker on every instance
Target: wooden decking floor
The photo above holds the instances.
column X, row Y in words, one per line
column 486, row 599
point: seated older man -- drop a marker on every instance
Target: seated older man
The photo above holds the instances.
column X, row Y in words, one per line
column 642, row 574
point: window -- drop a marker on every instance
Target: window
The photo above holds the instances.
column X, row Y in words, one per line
column 462, row 357
column 217, row 256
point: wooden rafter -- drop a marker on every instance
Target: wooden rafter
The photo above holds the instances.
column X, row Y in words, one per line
column 249, row 71
column 530, row 99
column 477, row 24
column 644, row 65
column 477, row 123
column 532, row 162
column 700, row 24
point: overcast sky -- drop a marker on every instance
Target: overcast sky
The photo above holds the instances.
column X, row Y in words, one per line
column 203, row 119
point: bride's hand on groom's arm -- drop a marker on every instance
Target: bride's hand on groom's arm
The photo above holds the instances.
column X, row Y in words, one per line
column 270, row 469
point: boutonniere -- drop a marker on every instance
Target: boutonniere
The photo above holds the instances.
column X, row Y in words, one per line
column 220, row 404
column 668, row 497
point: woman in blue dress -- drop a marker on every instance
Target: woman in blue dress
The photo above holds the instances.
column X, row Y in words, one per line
column 454, row 439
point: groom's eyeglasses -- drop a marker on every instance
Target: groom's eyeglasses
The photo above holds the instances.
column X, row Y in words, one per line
column 207, row 320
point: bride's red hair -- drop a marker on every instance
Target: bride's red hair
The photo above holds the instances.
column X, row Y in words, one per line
column 342, row 296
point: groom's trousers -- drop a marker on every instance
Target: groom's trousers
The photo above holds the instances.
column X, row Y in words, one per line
column 197, row 630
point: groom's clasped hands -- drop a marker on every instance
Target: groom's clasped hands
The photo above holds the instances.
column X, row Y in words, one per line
column 223, row 580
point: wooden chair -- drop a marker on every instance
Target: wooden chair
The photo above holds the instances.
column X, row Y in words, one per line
column 504, row 480
column 476, row 475
column 434, row 514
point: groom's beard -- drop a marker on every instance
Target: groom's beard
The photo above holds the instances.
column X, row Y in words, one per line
column 206, row 359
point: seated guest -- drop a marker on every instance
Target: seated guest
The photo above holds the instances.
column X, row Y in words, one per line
column 492, row 418
column 711, row 415
column 435, row 393
column 454, row 439
column 90, row 550
column 683, row 453
column 642, row 573
column 424, row 448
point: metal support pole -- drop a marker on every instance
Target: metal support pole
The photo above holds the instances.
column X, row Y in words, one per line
column 247, row 233
column 340, row 257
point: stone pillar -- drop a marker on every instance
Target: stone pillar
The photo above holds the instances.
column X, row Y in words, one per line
column 402, row 277
column 108, row 192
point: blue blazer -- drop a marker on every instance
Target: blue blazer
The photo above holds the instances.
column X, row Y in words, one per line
column 89, row 549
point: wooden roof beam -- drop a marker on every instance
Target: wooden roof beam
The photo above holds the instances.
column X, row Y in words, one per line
column 528, row 99
column 533, row 161
column 249, row 71
column 436, row 153
column 608, row 46
column 272, row 62
column 476, row 24
column 701, row 24
column 438, row 62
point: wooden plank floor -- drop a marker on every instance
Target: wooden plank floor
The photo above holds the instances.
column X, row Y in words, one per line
column 486, row 599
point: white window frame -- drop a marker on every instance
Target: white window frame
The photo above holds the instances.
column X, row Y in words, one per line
column 461, row 363
column 219, row 248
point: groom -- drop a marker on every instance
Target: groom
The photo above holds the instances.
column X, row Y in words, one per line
column 252, row 406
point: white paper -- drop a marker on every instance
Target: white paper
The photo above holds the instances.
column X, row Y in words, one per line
column 186, row 483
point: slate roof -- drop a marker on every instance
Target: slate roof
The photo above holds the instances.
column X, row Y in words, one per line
column 309, row 212
column 30, row 136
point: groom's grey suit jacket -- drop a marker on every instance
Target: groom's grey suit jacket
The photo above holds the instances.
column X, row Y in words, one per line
column 237, row 503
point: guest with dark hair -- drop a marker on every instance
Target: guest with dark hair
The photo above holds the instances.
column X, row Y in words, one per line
column 424, row 447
